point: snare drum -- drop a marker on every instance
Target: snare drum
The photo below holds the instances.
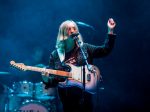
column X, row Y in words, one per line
column 23, row 89
column 32, row 106
column 44, row 94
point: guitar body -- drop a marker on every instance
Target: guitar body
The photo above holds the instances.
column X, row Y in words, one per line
column 74, row 77
column 91, row 78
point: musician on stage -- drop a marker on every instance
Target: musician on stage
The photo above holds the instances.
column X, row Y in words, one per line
column 68, row 51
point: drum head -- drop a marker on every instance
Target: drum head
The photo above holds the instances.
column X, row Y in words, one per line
column 23, row 89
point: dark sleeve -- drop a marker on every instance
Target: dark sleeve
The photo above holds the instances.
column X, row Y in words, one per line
column 53, row 79
column 103, row 50
column 51, row 82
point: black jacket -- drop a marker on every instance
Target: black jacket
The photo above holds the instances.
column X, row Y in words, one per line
column 91, row 52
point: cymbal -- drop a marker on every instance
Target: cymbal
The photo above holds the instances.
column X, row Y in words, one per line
column 4, row 73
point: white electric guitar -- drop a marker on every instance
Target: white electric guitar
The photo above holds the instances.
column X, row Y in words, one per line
column 74, row 77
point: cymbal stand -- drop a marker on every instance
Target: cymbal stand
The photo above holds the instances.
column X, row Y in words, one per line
column 8, row 91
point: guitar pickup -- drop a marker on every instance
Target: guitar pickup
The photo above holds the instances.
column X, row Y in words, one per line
column 88, row 77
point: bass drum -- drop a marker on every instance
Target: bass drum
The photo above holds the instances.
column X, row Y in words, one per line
column 32, row 106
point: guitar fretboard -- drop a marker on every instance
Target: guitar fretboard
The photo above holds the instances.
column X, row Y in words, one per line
column 50, row 71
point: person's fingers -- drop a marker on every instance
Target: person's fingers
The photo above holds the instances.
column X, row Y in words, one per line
column 45, row 74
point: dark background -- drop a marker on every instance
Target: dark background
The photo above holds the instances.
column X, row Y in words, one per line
column 28, row 30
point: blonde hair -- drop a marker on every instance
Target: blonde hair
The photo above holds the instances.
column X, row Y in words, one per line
column 62, row 33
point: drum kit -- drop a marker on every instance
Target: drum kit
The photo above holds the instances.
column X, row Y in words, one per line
column 26, row 96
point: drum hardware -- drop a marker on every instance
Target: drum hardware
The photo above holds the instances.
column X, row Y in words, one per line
column 6, row 92
column 14, row 102
column 35, row 91
column 25, row 96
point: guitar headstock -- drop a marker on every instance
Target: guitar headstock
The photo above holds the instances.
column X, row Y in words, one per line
column 20, row 66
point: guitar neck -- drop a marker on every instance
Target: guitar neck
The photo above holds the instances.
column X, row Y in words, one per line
column 50, row 71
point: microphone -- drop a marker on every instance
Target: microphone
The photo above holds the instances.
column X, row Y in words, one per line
column 84, row 25
column 74, row 35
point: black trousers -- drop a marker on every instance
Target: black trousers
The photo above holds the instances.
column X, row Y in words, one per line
column 75, row 99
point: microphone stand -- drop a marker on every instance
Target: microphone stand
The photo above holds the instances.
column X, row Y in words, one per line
column 79, row 44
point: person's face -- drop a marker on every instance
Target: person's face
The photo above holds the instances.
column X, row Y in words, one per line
column 71, row 29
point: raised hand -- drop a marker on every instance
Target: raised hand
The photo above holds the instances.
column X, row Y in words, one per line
column 111, row 25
